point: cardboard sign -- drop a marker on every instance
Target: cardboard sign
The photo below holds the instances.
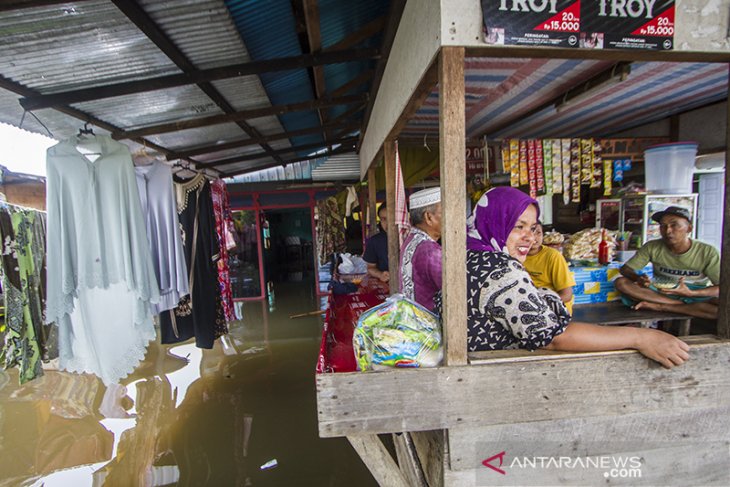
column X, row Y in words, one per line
column 549, row 23
column 627, row 24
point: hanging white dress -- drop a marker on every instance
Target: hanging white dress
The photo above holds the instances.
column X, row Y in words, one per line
column 100, row 277
column 157, row 196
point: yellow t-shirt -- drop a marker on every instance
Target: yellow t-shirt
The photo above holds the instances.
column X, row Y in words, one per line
column 549, row 269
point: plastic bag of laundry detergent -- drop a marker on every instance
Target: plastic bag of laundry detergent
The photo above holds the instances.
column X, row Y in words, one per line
column 397, row 333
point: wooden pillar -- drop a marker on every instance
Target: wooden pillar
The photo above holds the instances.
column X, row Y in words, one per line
column 393, row 244
column 452, row 151
column 372, row 199
column 723, row 319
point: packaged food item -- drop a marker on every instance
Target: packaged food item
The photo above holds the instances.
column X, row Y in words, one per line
column 539, row 167
column 557, row 167
column 607, row 180
column 584, row 245
column 565, row 149
column 397, row 333
column 553, row 238
column 524, row 173
column 547, row 158
column 532, row 168
column 514, row 168
column 575, row 170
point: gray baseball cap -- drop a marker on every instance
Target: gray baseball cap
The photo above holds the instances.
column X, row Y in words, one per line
column 672, row 210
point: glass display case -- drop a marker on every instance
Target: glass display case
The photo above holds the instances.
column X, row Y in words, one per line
column 608, row 214
column 636, row 211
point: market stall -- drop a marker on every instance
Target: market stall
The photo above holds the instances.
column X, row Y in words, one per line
column 459, row 417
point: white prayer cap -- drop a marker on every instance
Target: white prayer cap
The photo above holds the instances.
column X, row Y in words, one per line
column 425, row 197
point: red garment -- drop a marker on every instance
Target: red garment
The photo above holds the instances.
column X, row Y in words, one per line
column 224, row 226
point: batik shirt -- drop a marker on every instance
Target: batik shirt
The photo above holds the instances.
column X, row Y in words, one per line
column 505, row 310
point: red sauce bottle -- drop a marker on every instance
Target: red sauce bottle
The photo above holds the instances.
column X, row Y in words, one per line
column 603, row 253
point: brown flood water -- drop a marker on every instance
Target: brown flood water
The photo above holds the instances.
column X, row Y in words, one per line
column 186, row 416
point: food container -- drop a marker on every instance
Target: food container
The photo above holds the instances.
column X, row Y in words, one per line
column 669, row 167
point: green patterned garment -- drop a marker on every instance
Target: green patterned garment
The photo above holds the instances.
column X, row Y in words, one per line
column 23, row 282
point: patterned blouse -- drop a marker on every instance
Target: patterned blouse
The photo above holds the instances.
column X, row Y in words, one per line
column 505, row 310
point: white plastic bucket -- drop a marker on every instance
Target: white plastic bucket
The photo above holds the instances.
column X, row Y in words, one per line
column 669, row 167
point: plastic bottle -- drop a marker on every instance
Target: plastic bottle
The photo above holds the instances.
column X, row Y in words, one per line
column 603, row 254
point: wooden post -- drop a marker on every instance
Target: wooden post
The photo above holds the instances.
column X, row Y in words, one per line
column 393, row 244
column 452, row 149
column 723, row 318
column 378, row 460
column 372, row 199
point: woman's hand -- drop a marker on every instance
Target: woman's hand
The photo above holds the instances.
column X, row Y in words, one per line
column 662, row 347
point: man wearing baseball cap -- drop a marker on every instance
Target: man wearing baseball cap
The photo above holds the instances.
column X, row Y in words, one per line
column 686, row 271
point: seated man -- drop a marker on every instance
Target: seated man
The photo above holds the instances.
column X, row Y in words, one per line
column 547, row 268
column 689, row 267
column 376, row 249
column 420, row 255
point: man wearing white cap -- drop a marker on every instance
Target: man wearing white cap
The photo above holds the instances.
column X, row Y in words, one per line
column 420, row 262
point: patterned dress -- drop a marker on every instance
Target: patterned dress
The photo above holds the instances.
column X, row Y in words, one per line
column 23, row 282
column 223, row 226
column 505, row 310
column 330, row 229
column 200, row 314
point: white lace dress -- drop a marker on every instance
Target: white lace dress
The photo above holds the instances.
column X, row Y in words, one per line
column 100, row 277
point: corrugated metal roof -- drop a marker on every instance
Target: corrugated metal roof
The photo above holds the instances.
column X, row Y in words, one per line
column 269, row 31
column 341, row 167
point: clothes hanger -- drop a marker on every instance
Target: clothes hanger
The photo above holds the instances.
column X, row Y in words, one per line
column 86, row 133
column 86, row 130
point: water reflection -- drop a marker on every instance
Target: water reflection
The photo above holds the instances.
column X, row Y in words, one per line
column 186, row 416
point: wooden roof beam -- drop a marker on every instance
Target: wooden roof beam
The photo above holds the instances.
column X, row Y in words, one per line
column 314, row 36
column 147, row 25
column 242, row 115
column 253, row 157
column 182, row 154
column 194, row 77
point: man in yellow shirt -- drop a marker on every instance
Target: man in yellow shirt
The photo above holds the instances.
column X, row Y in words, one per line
column 548, row 268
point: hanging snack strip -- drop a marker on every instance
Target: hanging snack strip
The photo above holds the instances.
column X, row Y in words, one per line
column 567, row 168
column 597, row 172
column 524, row 176
column 505, row 156
column 539, row 167
column 514, row 167
column 532, row 168
column 547, row 158
column 575, row 170
column 607, row 179
column 586, row 161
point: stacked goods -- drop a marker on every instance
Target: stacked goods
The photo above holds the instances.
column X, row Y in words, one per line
column 595, row 284
column 397, row 333
column 584, row 244
column 553, row 239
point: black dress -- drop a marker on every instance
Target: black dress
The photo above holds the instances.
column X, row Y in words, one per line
column 199, row 315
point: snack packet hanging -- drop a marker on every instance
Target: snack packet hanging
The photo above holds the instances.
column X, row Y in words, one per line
column 397, row 333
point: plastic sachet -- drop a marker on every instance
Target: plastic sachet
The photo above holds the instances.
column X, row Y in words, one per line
column 397, row 333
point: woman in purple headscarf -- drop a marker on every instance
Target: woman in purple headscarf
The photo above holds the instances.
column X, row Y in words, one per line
column 505, row 310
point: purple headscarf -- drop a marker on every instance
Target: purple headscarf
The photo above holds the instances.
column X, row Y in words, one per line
column 494, row 217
